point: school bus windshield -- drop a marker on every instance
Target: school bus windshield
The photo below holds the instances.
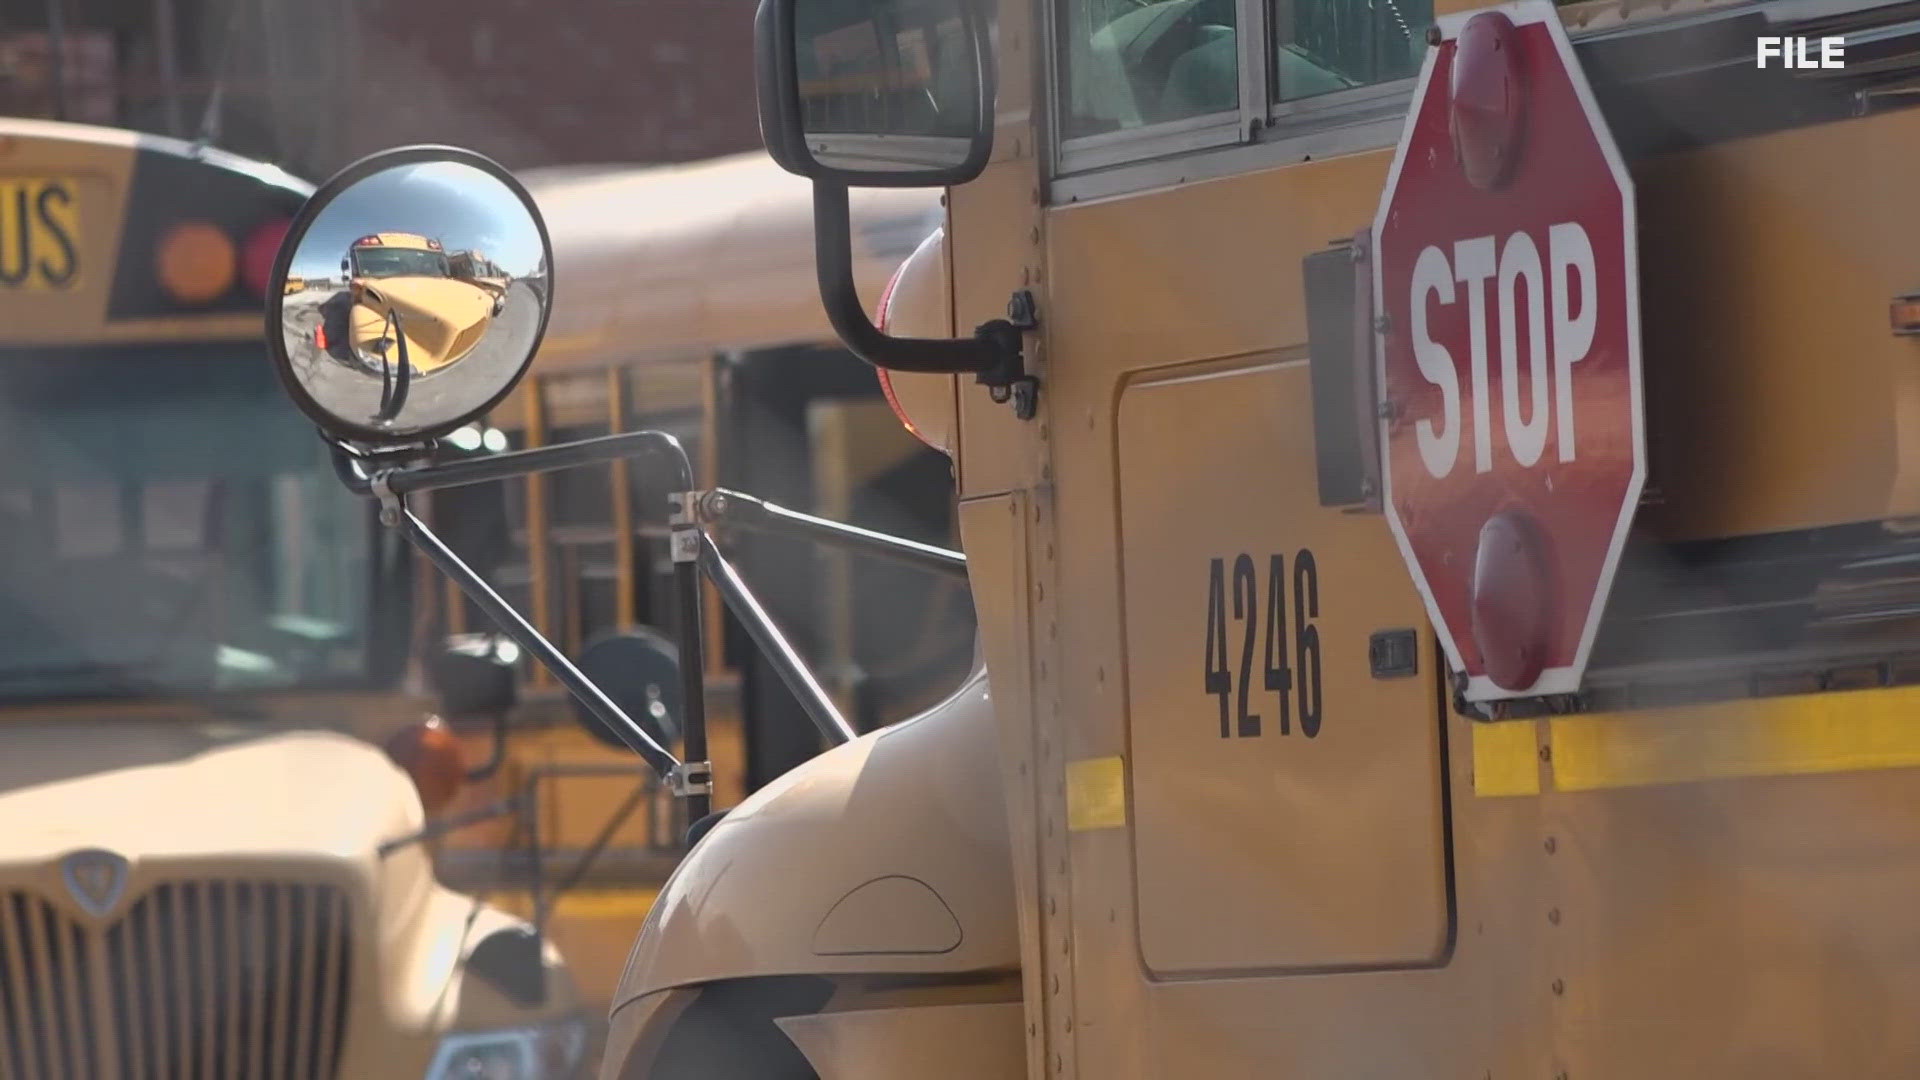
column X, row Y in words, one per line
column 168, row 527
column 385, row 262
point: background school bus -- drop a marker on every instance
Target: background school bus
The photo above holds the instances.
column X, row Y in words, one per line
column 205, row 864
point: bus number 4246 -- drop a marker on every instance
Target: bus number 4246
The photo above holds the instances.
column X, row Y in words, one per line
column 1264, row 625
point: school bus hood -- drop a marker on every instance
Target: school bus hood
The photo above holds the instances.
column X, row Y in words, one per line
column 160, row 790
column 886, row 854
column 209, row 801
column 443, row 318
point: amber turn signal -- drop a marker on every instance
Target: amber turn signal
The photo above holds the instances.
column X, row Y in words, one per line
column 430, row 753
column 196, row 263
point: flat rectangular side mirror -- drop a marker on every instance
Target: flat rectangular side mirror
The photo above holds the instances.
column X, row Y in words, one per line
column 876, row 93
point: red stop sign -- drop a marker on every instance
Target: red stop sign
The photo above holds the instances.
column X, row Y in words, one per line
column 1509, row 351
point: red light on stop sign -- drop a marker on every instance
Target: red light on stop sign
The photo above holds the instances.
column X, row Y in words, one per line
column 1514, row 605
column 1488, row 114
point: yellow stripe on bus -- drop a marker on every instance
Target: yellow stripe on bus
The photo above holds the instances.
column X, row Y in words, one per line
column 1842, row 731
column 1506, row 760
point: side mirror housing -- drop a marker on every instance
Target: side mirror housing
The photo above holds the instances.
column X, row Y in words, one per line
column 887, row 93
column 473, row 676
column 844, row 102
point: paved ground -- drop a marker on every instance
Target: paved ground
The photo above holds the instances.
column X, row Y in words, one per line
column 343, row 387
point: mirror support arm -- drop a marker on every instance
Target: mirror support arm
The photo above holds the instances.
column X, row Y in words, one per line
column 994, row 354
column 694, row 552
column 694, row 782
column 530, row 639
column 496, row 757
column 690, row 780
column 779, row 652
column 480, row 470
column 723, row 506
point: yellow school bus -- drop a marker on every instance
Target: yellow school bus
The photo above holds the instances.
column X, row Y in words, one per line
column 402, row 288
column 205, row 866
column 1246, row 802
column 724, row 345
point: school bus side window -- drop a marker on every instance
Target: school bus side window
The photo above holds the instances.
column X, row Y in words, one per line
column 1132, row 63
column 1323, row 46
column 1140, row 79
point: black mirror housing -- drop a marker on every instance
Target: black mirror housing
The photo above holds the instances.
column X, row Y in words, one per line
column 903, row 154
column 473, row 676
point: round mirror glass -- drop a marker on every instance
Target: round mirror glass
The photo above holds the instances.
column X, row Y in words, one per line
column 410, row 295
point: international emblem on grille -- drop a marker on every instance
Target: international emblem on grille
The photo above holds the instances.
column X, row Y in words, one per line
column 96, row 879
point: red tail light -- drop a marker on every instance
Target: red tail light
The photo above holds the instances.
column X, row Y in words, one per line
column 258, row 252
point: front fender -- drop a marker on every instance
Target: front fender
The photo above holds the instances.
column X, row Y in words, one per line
column 888, row 854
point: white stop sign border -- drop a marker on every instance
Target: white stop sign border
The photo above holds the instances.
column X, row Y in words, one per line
column 1564, row 679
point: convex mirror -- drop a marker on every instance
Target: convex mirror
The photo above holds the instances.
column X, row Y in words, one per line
column 421, row 284
column 876, row 93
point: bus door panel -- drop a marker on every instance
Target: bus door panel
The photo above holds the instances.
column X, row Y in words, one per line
column 1284, row 703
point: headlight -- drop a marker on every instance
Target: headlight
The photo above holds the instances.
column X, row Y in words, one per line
column 543, row 1052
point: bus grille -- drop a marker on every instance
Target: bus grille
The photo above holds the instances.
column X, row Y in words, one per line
column 213, row 980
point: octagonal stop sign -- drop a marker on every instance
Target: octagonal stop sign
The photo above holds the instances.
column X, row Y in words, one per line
column 1506, row 285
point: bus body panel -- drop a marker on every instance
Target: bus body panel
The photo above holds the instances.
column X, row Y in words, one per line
column 1674, row 909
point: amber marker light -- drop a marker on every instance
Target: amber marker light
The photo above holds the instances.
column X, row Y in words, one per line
column 196, row 263
column 430, row 754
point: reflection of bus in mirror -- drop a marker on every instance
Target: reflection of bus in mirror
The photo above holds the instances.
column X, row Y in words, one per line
column 474, row 266
column 403, row 286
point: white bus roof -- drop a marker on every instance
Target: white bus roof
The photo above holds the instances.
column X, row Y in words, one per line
column 711, row 256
